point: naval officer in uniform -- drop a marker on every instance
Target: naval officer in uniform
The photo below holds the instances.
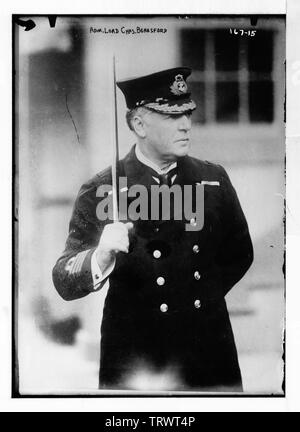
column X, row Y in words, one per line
column 165, row 312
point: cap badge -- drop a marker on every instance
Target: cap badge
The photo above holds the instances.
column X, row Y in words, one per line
column 179, row 86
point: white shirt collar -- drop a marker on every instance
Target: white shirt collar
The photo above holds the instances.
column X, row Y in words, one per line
column 142, row 158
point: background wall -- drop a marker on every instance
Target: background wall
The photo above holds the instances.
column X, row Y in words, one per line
column 63, row 127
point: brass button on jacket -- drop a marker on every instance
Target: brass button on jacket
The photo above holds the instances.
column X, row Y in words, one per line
column 164, row 307
column 157, row 254
column 193, row 222
column 196, row 249
column 197, row 304
column 160, row 281
column 197, row 275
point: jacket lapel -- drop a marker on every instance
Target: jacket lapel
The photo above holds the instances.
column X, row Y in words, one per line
column 135, row 171
column 187, row 174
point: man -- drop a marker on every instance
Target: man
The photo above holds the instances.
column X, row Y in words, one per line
column 165, row 317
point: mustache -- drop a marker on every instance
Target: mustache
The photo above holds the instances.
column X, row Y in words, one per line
column 186, row 138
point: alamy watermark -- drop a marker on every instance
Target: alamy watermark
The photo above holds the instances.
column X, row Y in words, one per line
column 164, row 203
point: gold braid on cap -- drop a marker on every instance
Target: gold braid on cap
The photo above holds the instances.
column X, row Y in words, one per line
column 171, row 108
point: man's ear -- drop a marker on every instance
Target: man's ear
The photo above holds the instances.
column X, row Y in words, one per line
column 138, row 125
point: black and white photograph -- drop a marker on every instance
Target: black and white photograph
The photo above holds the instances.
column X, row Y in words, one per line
column 149, row 195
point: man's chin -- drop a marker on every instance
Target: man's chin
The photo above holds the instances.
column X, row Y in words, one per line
column 183, row 150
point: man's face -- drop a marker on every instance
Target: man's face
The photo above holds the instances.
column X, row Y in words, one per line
column 167, row 136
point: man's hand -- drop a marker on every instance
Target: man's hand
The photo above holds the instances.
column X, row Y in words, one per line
column 114, row 239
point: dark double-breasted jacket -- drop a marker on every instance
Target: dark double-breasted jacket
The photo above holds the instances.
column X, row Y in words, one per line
column 165, row 309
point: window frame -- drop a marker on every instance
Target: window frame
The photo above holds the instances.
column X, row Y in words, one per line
column 210, row 75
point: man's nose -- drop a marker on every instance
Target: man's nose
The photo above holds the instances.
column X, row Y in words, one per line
column 185, row 122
